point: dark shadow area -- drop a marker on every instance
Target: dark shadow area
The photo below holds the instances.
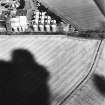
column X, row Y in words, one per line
column 99, row 82
column 23, row 80
column 22, row 4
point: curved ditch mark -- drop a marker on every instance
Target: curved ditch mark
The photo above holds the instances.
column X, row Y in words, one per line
column 98, row 51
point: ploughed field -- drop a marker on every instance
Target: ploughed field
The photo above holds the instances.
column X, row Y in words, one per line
column 68, row 60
